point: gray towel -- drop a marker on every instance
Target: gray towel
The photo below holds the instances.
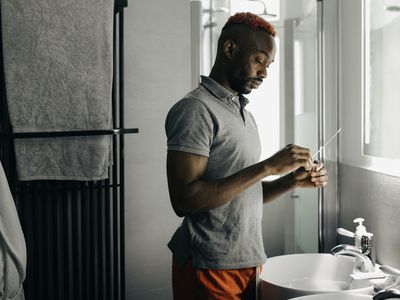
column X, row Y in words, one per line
column 12, row 245
column 58, row 69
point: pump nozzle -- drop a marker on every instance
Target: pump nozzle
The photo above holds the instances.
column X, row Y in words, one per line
column 360, row 231
column 359, row 221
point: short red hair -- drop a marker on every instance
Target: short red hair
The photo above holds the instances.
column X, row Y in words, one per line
column 250, row 20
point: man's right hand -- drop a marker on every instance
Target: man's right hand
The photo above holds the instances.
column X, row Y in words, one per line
column 288, row 159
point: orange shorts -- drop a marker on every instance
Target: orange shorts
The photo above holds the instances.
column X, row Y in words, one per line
column 189, row 283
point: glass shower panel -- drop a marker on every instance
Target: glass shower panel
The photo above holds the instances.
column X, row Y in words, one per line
column 215, row 14
column 305, row 123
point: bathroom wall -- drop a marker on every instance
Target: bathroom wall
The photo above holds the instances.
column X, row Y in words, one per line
column 363, row 192
column 157, row 74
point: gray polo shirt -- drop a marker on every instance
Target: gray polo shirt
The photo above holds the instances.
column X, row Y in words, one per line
column 212, row 122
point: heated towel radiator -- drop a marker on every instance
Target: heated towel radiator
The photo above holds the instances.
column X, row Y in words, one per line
column 74, row 230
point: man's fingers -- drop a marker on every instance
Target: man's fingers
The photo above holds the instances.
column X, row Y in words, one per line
column 305, row 163
column 319, row 166
column 309, row 165
column 299, row 150
column 302, row 157
column 320, row 184
column 319, row 173
column 320, row 178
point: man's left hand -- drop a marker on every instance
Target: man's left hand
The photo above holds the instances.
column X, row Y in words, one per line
column 316, row 177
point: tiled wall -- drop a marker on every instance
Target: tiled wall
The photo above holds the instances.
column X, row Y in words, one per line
column 376, row 198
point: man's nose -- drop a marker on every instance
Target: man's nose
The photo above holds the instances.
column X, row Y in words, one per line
column 262, row 73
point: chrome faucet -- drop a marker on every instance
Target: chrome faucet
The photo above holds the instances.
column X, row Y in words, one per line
column 367, row 248
column 363, row 262
column 363, row 251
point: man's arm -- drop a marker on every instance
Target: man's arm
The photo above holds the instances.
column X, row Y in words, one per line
column 190, row 193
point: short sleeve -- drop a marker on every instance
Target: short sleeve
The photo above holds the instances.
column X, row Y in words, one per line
column 189, row 127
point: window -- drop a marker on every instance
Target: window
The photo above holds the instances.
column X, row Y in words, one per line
column 381, row 130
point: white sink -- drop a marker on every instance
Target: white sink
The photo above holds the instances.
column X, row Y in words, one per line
column 295, row 275
column 334, row 296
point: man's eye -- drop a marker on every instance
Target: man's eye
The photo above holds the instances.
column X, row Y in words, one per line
column 258, row 61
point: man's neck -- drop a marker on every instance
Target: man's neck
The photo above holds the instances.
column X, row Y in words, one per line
column 221, row 79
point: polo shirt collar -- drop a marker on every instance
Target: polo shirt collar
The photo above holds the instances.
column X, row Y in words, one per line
column 222, row 93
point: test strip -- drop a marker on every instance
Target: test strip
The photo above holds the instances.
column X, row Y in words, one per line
column 323, row 147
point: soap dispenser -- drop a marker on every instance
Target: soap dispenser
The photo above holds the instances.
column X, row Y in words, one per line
column 363, row 240
column 360, row 232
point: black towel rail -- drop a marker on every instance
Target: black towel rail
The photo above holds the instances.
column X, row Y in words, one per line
column 72, row 133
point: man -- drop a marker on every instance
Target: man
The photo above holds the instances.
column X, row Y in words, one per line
column 214, row 173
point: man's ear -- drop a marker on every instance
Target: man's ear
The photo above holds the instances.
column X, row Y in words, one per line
column 230, row 48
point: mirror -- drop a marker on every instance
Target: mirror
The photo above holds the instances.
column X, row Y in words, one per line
column 381, row 124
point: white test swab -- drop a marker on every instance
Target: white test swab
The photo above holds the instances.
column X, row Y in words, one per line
column 323, row 147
